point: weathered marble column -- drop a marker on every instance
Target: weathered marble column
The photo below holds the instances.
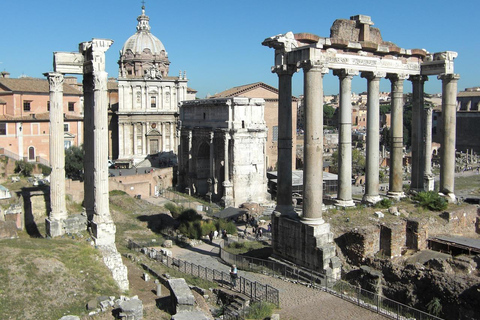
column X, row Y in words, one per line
column 373, row 137
column 313, row 144
column 428, row 180
column 227, row 198
column 395, row 189
column 55, row 222
column 449, row 117
column 284, row 162
column 418, row 130
column 211, row 175
column 344, row 197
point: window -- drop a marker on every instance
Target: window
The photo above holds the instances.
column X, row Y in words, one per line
column 26, row 105
column 48, row 105
column 71, row 106
column 3, row 129
column 153, row 102
column 66, row 127
column 67, row 144
column 275, row 133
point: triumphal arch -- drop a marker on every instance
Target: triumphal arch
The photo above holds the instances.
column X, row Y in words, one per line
column 354, row 48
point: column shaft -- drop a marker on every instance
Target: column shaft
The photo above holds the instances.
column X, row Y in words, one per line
column 313, row 145
column 344, row 197
column 88, row 145
column 284, row 162
column 57, row 156
column 373, row 137
column 428, row 180
column 418, row 169
column 449, row 99
column 396, row 141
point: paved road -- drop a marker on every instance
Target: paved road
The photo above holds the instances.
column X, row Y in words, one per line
column 296, row 301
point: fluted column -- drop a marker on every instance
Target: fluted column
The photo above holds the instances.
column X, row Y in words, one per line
column 211, row 175
column 88, row 145
column 227, row 198
column 58, row 213
column 344, row 196
column 373, row 137
column 313, row 144
column 418, row 122
column 284, row 162
column 449, row 120
column 134, row 139
column 395, row 189
column 428, row 180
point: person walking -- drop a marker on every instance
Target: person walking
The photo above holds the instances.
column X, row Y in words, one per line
column 210, row 236
column 233, row 276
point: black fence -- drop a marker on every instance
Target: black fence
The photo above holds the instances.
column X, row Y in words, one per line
column 253, row 289
column 342, row 289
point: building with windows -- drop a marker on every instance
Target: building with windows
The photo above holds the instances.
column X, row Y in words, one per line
column 25, row 119
column 148, row 99
column 270, row 95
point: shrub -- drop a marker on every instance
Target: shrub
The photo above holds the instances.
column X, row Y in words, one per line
column 23, row 167
column 260, row 310
column 174, row 209
column 431, row 200
column 46, row 170
column 227, row 225
column 384, row 203
column 434, row 307
column 189, row 215
column 117, row 193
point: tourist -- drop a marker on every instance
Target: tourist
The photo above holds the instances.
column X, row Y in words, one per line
column 233, row 275
column 215, row 234
column 210, row 236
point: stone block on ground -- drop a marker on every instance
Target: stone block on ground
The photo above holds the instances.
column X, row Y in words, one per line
column 8, row 230
column 181, row 294
column 190, row 315
column 131, row 309
column 70, row 318
column 168, row 243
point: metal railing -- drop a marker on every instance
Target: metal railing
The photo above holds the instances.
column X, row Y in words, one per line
column 253, row 289
column 342, row 289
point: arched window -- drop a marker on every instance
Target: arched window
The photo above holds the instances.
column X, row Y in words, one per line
column 31, row 154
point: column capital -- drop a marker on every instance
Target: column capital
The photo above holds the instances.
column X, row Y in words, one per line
column 448, row 77
column 316, row 65
column 418, row 78
column 345, row 73
column 55, row 81
column 397, row 76
column 373, row 75
column 284, row 69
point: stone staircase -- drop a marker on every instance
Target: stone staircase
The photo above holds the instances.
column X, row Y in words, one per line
column 235, row 303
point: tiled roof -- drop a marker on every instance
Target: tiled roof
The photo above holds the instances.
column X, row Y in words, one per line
column 236, row 91
column 112, row 85
column 33, row 85
column 191, row 90
column 38, row 117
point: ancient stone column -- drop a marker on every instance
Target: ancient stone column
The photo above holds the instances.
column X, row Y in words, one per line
column 227, row 185
column 344, row 197
column 449, row 114
column 55, row 222
column 395, row 189
column 211, row 175
column 373, row 137
column 284, row 162
column 428, row 180
column 418, row 130
column 313, row 144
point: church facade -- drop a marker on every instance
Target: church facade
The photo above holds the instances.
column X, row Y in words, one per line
column 148, row 99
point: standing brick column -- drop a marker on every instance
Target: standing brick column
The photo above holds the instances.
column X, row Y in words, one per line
column 373, row 136
column 55, row 222
column 344, row 197
column 418, row 150
column 284, row 164
column 395, row 189
column 313, row 144
column 449, row 114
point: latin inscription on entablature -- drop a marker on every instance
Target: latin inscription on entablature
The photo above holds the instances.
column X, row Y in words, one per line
column 368, row 64
column 437, row 67
column 68, row 62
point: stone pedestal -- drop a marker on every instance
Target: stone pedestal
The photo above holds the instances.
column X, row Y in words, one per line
column 310, row 246
column 429, row 182
column 54, row 228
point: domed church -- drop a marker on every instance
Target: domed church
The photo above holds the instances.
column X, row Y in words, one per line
column 148, row 98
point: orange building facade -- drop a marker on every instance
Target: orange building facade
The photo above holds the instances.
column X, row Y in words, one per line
column 24, row 117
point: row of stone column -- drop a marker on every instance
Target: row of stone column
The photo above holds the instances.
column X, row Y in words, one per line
column 313, row 138
column 130, row 146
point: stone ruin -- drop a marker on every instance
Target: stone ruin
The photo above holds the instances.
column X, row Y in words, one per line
column 89, row 62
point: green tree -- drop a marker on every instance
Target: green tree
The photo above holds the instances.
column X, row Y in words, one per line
column 23, row 167
column 385, row 108
column 328, row 113
column 358, row 162
column 74, row 162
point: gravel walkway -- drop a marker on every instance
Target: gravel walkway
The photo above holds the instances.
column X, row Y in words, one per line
column 296, row 301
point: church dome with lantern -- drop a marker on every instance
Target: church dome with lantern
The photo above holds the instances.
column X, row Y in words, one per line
column 143, row 54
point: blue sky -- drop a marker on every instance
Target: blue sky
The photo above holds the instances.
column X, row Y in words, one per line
column 218, row 43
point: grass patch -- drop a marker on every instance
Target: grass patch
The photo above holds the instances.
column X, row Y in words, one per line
column 244, row 247
column 260, row 310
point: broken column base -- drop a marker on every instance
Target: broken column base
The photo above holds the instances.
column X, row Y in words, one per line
column 429, row 182
column 104, row 237
column 54, row 228
column 371, row 199
column 309, row 246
